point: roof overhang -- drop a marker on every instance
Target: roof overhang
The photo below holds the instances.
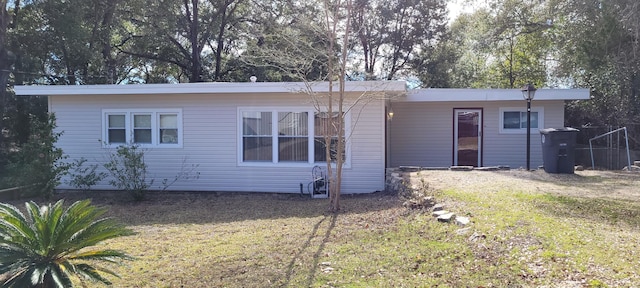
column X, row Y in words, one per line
column 210, row 88
column 448, row 95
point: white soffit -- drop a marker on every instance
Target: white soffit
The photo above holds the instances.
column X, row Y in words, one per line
column 208, row 88
column 449, row 95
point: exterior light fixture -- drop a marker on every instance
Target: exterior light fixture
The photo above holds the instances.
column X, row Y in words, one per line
column 528, row 92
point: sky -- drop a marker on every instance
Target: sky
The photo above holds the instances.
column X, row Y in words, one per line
column 457, row 7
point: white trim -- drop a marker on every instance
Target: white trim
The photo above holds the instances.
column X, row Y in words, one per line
column 208, row 88
column 501, row 130
column 311, row 137
column 456, row 95
column 155, row 126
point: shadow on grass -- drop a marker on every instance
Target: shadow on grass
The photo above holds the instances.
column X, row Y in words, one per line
column 307, row 246
column 220, row 207
column 571, row 180
column 596, row 209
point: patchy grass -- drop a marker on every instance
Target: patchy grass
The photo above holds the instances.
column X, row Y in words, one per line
column 526, row 231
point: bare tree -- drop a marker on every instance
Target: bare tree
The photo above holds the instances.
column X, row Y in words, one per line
column 316, row 48
column 336, row 14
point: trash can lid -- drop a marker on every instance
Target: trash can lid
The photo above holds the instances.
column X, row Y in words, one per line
column 554, row 130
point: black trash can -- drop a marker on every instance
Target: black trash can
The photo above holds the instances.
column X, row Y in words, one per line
column 558, row 149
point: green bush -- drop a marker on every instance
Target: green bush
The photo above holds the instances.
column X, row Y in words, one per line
column 38, row 162
column 51, row 244
column 83, row 177
column 129, row 171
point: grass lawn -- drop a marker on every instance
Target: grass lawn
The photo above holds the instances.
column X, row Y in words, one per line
column 527, row 230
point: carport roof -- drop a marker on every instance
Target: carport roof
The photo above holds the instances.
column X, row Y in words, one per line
column 448, row 95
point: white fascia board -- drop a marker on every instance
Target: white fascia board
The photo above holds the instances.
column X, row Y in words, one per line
column 208, row 88
column 456, row 95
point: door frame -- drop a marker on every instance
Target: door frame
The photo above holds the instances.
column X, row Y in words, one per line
column 454, row 156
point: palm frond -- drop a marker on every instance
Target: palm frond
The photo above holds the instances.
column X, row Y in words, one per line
column 12, row 258
column 13, row 223
column 96, row 232
column 19, row 278
column 91, row 273
column 40, row 250
column 113, row 256
column 60, row 277
column 75, row 218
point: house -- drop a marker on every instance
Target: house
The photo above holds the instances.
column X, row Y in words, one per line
column 243, row 136
column 262, row 136
column 476, row 127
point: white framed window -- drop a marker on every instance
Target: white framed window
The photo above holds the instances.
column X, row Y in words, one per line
column 326, row 126
column 514, row 120
column 257, row 136
column 169, row 128
column 116, row 128
column 293, row 136
column 144, row 127
column 284, row 136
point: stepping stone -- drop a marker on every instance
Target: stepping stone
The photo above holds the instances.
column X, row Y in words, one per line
column 438, row 207
column 462, row 221
column 461, row 168
column 489, row 168
column 409, row 168
column 463, row 231
column 439, row 213
column 434, row 168
column 475, row 236
column 446, row 217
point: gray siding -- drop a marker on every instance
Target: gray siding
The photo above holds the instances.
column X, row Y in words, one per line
column 422, row 133
column 210, row 131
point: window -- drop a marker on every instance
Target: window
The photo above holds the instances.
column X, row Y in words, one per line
column 326, row 125
column 144, row 127
column 116, row 129
column 169, row 128
column 281, row 136
column 257, row 136
column 514, row 120
column 293, row 136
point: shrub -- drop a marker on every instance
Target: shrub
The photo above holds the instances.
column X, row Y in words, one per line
column 84, row 177
column 419, row 195
column 38, row 162
column 129, row 171
column 187, row 172
column 51, row 244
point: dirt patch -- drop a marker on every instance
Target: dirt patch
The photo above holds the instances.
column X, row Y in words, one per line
column 595, row 184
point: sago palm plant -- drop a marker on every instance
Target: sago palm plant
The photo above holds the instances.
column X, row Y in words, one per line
column 53, row 244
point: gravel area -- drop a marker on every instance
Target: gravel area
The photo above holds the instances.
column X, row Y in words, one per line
column 600, row 184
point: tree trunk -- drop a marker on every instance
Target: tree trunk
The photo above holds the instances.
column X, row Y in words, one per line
column 220, row 40
column 192, row 17
column 341, row 72
column 4, row 66
column 105, row 38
